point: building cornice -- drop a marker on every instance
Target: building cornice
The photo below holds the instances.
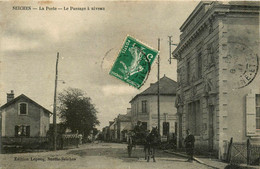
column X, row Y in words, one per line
column 161, row 94
column 216, row 10
column 194, row 14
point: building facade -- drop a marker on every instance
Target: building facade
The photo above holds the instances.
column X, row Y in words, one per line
column 123, row 125
column 144, row 106
column 218, row 95
column 22, row 117
column 105, row 133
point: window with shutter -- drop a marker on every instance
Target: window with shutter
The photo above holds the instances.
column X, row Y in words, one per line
column 257, row 111
column 21, row 131
column 27, row 131
column 250, row 115
column 16, row 131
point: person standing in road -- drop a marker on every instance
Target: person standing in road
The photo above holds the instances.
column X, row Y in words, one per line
column 189, row 145
column 138, row 127
column 137, row 132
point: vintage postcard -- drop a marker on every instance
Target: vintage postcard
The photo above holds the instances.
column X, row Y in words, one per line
column 129, row 84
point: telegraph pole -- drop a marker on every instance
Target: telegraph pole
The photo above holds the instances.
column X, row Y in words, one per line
column 54, row 107
column 158, row 96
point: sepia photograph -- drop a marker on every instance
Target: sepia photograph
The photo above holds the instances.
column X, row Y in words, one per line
column 129, row 84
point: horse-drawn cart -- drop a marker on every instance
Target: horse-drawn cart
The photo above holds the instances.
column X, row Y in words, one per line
column 144, row 138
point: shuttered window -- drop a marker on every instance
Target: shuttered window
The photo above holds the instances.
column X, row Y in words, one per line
column 144, row 106
column 257, row 98
column 251, row 115
column 22, row 131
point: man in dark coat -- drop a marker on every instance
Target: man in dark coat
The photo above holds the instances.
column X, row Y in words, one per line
column 138, row 127
column 189, row 145
column 139, row 133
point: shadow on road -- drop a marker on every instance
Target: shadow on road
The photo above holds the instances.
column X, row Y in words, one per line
column 174, row 160
column 119, row 153
column 107, row 152
column 234, row 166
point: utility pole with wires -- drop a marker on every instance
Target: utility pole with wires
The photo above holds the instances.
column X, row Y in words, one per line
column 158, row 91
column 54, row 107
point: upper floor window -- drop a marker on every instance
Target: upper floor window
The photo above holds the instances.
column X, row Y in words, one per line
column 144, row 106
column 23, row 108
column 257, row 111
column 199, row 65
column 188, row 71
column 210, row 55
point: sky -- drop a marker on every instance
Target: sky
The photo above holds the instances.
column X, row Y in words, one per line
column 88, row 43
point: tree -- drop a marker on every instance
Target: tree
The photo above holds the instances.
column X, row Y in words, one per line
column 77, row 112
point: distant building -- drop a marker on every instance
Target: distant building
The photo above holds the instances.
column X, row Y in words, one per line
column 117, row 129
column 105, row 133
column 144, row 106
column 111, row 131
column 218, row 94
column 23, row 118
column 123, row 123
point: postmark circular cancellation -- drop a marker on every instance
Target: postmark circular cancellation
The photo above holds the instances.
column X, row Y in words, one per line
column 242, row 63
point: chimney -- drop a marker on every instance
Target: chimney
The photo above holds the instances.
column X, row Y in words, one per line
column 10, row 96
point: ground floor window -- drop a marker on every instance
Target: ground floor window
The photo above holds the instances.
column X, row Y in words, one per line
column 194, row 117
column 22, row 130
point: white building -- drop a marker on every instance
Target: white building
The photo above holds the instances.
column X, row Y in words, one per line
column 144, row 106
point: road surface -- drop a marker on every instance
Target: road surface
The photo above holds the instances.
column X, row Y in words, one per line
column 95, row 156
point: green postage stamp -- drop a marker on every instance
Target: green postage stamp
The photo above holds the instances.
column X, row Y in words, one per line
column 134, row 62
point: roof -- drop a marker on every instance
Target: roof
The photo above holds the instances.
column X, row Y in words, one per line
column 27, row 98
column 124, row 117
column 128, row 127
column 167, row 87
